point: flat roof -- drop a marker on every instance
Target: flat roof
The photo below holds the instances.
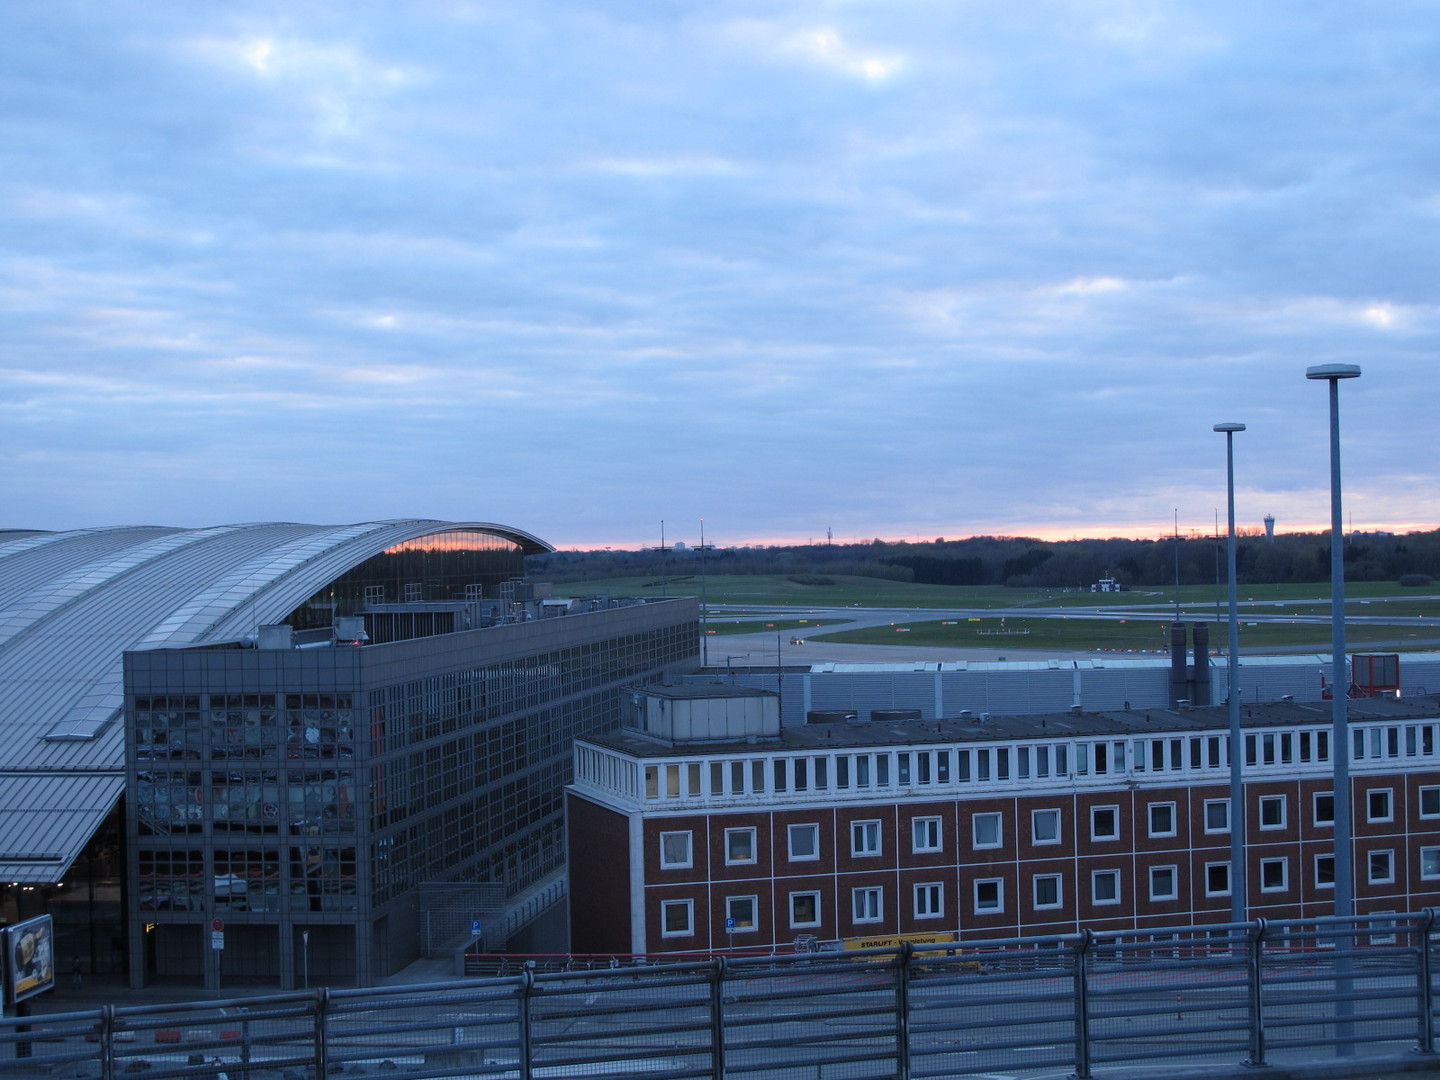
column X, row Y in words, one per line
column 975, row 729
column 700, row 691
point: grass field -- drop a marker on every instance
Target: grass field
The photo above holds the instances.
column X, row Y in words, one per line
column 1114, row 634
column 776, row 589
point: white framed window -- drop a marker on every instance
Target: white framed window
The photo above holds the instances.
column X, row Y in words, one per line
column 1430, row 802
column 1380, row 804
column 1381, row 867
column 804, row 909
column 1217, row 879
column 1430, row 863
column 1104, row 823
column 1217, row 815
column 867, row 904
column 803, row 842
column 1274, row 875
column 1272, row 811
column 925, row 834
column 676, row 851
column 1324, row 871
column 985, row 831
column 989, row 896
column 1045, row 826
column 1162, row 883
column 739, row 846
column 865, row 838
column 1324, row 809
column 740, row 914
column 1046, row 890
column 1162, row 819
column 1105, row 886
column 677, row 918
column 1382, row 931
column 929, row 900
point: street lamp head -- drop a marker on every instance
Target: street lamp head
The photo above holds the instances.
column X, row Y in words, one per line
column 1230, row 426
column 1333, row 371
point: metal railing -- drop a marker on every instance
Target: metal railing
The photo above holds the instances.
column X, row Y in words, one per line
column 1259, row 993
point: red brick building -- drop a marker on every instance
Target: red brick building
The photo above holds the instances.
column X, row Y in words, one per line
column 706, row 839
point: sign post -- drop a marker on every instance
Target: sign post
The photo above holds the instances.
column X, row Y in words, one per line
column 217, row 945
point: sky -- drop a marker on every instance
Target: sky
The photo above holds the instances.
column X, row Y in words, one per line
column 882, row 268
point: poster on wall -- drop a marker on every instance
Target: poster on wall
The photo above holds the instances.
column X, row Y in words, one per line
column 29, row 958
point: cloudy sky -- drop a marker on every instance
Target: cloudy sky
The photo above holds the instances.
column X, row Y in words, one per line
column 899, row 268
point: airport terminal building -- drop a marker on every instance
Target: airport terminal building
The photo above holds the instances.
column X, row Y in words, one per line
column 320, row 721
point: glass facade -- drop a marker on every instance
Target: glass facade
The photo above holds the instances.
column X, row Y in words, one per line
column 293, row 787
column 462, row 564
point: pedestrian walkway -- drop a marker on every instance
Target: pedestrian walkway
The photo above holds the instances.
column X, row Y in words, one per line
column 112, row 989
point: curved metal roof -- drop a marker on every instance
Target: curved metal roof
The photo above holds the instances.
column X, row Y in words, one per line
column 71, row 603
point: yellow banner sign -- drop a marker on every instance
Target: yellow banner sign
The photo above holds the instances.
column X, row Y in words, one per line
column 892, row 941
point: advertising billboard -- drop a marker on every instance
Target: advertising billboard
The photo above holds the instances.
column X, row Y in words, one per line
column 29, row 958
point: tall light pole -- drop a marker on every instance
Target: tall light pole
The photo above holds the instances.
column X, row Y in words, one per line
column 1238, row 891
column 1340, row 679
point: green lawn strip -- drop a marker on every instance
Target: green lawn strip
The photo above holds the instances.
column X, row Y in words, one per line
column 1196, row 595
column 1135, row 634
column 720, row 629
column 851, row 591
column 1379, row 609
column 777, row 589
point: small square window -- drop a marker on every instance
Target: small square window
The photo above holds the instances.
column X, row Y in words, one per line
column 1430, row 863
column 985, row 830
column 739, row 914
column 675, row 850
column 867, row 904
column 1324, row 808
column 1217, row 879
column 1382, row 931
column 804, row 909
column 1162, row 819
column 1379, row 804
column 1162, row 883
column 1045, row 826
column 1272, row 811
column 1430, row 802
column 1105, row 886
column 925, row 834
column 1382, row 867
column 1324, row 871
column 865, row 838
column 989, row 895
column 1273, row 875
column 1046, row 890
column 804, row 842
column 677, row 918
column 739, row 846
column 1217, row 815
column 1104, row 823
column 929, row 900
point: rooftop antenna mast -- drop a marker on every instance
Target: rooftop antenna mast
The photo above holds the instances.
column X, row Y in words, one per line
column 704, row 606
column 663, row 582
column 1217, row 565
column 1177, row 564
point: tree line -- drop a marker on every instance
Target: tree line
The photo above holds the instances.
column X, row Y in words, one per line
column 1021, row 562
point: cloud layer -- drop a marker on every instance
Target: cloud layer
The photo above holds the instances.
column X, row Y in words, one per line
column 891, row 269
